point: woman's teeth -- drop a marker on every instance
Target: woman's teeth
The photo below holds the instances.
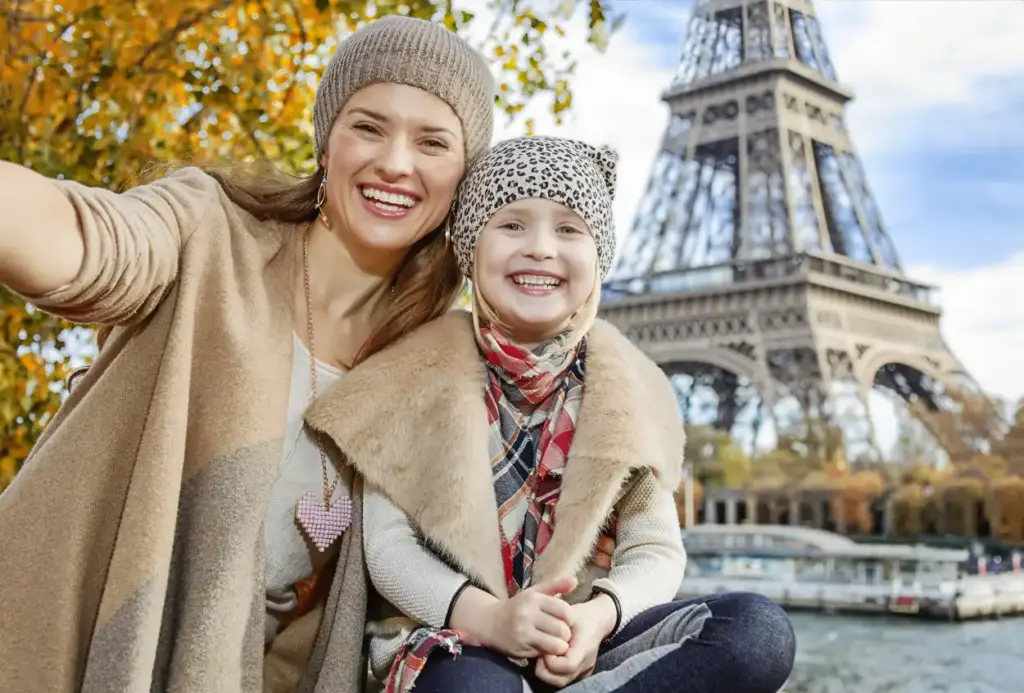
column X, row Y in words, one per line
column 391, row 202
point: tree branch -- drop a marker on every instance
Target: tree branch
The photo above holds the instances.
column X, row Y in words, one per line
column 501, row 11
column 182, row 26
column 250, row 133
column 302, row 60
column 16, row 16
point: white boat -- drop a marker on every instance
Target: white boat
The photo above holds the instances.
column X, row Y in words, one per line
column 800, row 567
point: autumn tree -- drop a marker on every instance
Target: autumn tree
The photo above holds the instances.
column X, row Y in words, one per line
column 716, row 460
column 1004, row 508
column 1011, row 448
column 854, row 494
column 97, row 92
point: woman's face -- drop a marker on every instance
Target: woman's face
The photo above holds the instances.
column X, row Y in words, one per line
column 394, row 159
column 535, row 265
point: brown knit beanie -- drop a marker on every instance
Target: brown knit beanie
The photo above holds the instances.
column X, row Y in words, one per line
column 418, row 53
column 569, row 172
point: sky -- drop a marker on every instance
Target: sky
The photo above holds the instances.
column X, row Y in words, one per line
column 939, row 89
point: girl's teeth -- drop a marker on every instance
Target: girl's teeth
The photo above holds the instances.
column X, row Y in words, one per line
column 545, row 282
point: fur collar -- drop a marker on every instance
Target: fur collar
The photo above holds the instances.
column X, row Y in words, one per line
column 412, row 420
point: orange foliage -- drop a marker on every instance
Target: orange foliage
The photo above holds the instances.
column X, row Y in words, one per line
column 1005, row 508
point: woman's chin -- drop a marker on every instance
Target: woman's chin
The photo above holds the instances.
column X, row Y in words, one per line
column 384, row 238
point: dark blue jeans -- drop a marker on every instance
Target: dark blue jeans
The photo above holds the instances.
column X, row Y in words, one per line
column 733, row 642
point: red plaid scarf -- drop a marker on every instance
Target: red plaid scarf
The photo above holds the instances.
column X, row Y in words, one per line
column 413, row 656
column 533, row 399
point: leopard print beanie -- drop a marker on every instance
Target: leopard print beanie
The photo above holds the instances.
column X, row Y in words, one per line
column 569, row 172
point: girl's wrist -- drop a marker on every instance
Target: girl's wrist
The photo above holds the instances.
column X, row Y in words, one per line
column 474, row 615
column 605, row 612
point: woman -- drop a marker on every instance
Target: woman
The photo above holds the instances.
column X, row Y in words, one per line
column 151, row 541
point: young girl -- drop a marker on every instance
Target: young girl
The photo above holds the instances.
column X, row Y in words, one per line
column 520, row 433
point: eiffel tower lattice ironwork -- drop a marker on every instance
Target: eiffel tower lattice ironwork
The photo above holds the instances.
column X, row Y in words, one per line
column 758, row 267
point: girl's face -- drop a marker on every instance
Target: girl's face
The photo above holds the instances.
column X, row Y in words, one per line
column 535, row 265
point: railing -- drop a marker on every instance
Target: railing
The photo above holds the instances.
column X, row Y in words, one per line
column 806, row 265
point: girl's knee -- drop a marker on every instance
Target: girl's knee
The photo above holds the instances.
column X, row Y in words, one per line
column 476, row 669
column 761, row 640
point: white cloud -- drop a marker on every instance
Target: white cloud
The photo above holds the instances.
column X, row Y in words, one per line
column 983, row 321
column 903, row 58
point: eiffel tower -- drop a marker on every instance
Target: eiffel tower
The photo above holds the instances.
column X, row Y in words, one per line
column 758, row 272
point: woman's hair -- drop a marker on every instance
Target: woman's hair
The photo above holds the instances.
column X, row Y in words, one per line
column 427, row 282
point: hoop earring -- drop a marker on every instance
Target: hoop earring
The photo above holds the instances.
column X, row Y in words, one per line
column 321, row 197
column 448, row 225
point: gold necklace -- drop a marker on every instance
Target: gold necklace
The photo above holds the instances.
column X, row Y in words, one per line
column 323, row 521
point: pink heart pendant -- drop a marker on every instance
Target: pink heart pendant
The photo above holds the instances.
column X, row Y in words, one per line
column 323, row 526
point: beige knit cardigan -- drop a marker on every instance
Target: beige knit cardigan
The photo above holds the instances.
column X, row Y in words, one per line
column 131, row 543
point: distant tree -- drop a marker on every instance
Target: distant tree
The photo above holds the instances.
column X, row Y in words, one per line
column 914, row 442
column 853, row 499
column 1011, row 447
column 960, row 496
column 1005, row 508
column 717, row 460
column 908, row 505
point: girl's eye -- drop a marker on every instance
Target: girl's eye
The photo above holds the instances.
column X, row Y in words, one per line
column 512, row 226
column 436, row 144
column 568, row 229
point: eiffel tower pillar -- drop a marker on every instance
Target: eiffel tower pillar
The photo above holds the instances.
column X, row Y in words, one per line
column 758, row 269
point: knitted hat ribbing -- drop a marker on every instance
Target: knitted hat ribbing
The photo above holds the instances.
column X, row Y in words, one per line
column 415, row 52
column 571, row 173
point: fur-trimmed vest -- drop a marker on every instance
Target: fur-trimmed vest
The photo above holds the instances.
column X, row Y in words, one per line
column 412, row 420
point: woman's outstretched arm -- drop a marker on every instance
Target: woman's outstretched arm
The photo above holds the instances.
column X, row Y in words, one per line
column 91, row 255
column 41, row 245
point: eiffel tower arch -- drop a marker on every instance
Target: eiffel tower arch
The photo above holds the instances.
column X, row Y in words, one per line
column 758, row 269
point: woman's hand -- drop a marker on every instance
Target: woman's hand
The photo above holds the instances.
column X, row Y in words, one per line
column 606, row 547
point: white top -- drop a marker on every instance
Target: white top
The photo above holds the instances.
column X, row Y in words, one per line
column 290, row 557
column 648, row 563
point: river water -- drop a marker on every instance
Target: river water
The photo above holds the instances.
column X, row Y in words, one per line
column 851, row 654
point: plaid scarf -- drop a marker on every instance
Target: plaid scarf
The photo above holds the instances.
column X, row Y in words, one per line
column 533, row 399
column 413, row 656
